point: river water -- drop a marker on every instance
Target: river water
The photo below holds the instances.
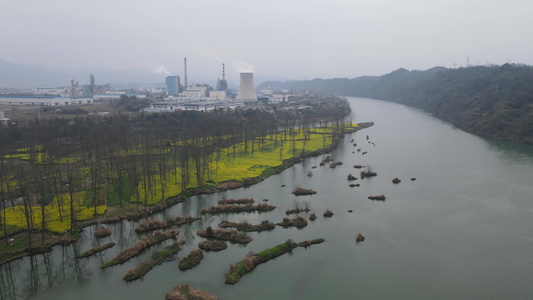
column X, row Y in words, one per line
column 461, row 230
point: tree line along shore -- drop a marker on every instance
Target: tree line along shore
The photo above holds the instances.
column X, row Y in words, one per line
column 60, row 175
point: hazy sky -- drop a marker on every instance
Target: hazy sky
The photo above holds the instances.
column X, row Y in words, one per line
column 285, row 38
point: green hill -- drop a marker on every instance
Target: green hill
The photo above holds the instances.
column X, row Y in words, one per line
column 493, row 101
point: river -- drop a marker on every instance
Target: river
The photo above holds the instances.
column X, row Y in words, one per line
column 461, row 230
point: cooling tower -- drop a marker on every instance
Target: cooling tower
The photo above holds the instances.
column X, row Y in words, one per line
column 246, row 88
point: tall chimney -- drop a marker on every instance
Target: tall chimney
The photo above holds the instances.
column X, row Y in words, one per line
column 246, row 88
column 185, row 75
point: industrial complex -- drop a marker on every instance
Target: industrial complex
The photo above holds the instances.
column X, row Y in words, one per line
column 176, row 96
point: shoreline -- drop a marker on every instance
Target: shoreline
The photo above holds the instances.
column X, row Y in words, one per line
column 118, row 214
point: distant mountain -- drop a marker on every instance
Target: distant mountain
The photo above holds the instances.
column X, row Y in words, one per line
column 30, row 76
column 493, row 101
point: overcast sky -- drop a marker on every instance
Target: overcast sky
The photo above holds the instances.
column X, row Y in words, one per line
column 284, row 38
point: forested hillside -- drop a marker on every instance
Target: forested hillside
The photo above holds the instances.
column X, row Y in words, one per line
column 493, row 101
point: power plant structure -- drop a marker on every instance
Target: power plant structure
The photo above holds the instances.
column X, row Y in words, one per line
column 173, row 85
column 245, row 95
column 92, row 86
column 222, row 85
column 246, row 88
column 185, row 75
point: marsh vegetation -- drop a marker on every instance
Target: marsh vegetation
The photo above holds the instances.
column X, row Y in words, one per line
column 140, row 245
column 157, row 258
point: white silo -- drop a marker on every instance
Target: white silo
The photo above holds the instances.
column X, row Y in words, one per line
column 246, row 88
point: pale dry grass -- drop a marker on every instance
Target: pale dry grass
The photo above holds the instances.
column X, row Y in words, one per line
column 102, row 232
column 185, row 292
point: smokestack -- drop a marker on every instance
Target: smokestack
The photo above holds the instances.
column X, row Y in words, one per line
column 92, row 86
column 185, row 75
column 246, row 88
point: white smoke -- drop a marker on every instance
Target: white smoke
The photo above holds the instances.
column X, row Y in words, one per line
column 243, row 67
column 161, row 70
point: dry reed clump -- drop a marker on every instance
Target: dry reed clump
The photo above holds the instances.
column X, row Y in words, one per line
column 236, row 208
column 160, row 223
column 250, row 262
column 377, row 198
column 296, row 210
column 325, row 160
column 185, row 292
column 232, row 268
column 264, row 206
column 212, row 245
column 246, row 227
column 102, row 232
column 302, row 192
column 298, row 221
column 130, row 272
column 227, row 235
column 237, row 235
column 368, row 174
column 148, row 224
column 236, row 201
column 144, row 224
column 134, row 249
column 307, row 243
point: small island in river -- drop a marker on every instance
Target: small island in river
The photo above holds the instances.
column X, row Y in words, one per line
column 157, row 258
column 247, row 227
column 225, row 235
column 142, row 244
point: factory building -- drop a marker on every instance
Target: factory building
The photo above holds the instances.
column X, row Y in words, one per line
column 196, row 91
column 44, row 101
column 220, row 95
column 173, row 85
column 185, row 103
column 60, row 92
column 279, row 98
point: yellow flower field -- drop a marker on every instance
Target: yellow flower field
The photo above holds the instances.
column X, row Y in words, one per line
column 230, row 163
column 225, row 167
column 15, row 216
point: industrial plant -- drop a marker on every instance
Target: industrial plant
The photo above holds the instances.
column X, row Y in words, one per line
column 201, row 97
column 177, row 95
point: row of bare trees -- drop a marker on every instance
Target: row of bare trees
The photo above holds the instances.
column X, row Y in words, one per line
column 112, row 158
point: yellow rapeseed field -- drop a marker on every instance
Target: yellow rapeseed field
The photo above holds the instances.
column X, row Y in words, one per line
column 269, row 152
column 228, row 164
column 15, row 216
